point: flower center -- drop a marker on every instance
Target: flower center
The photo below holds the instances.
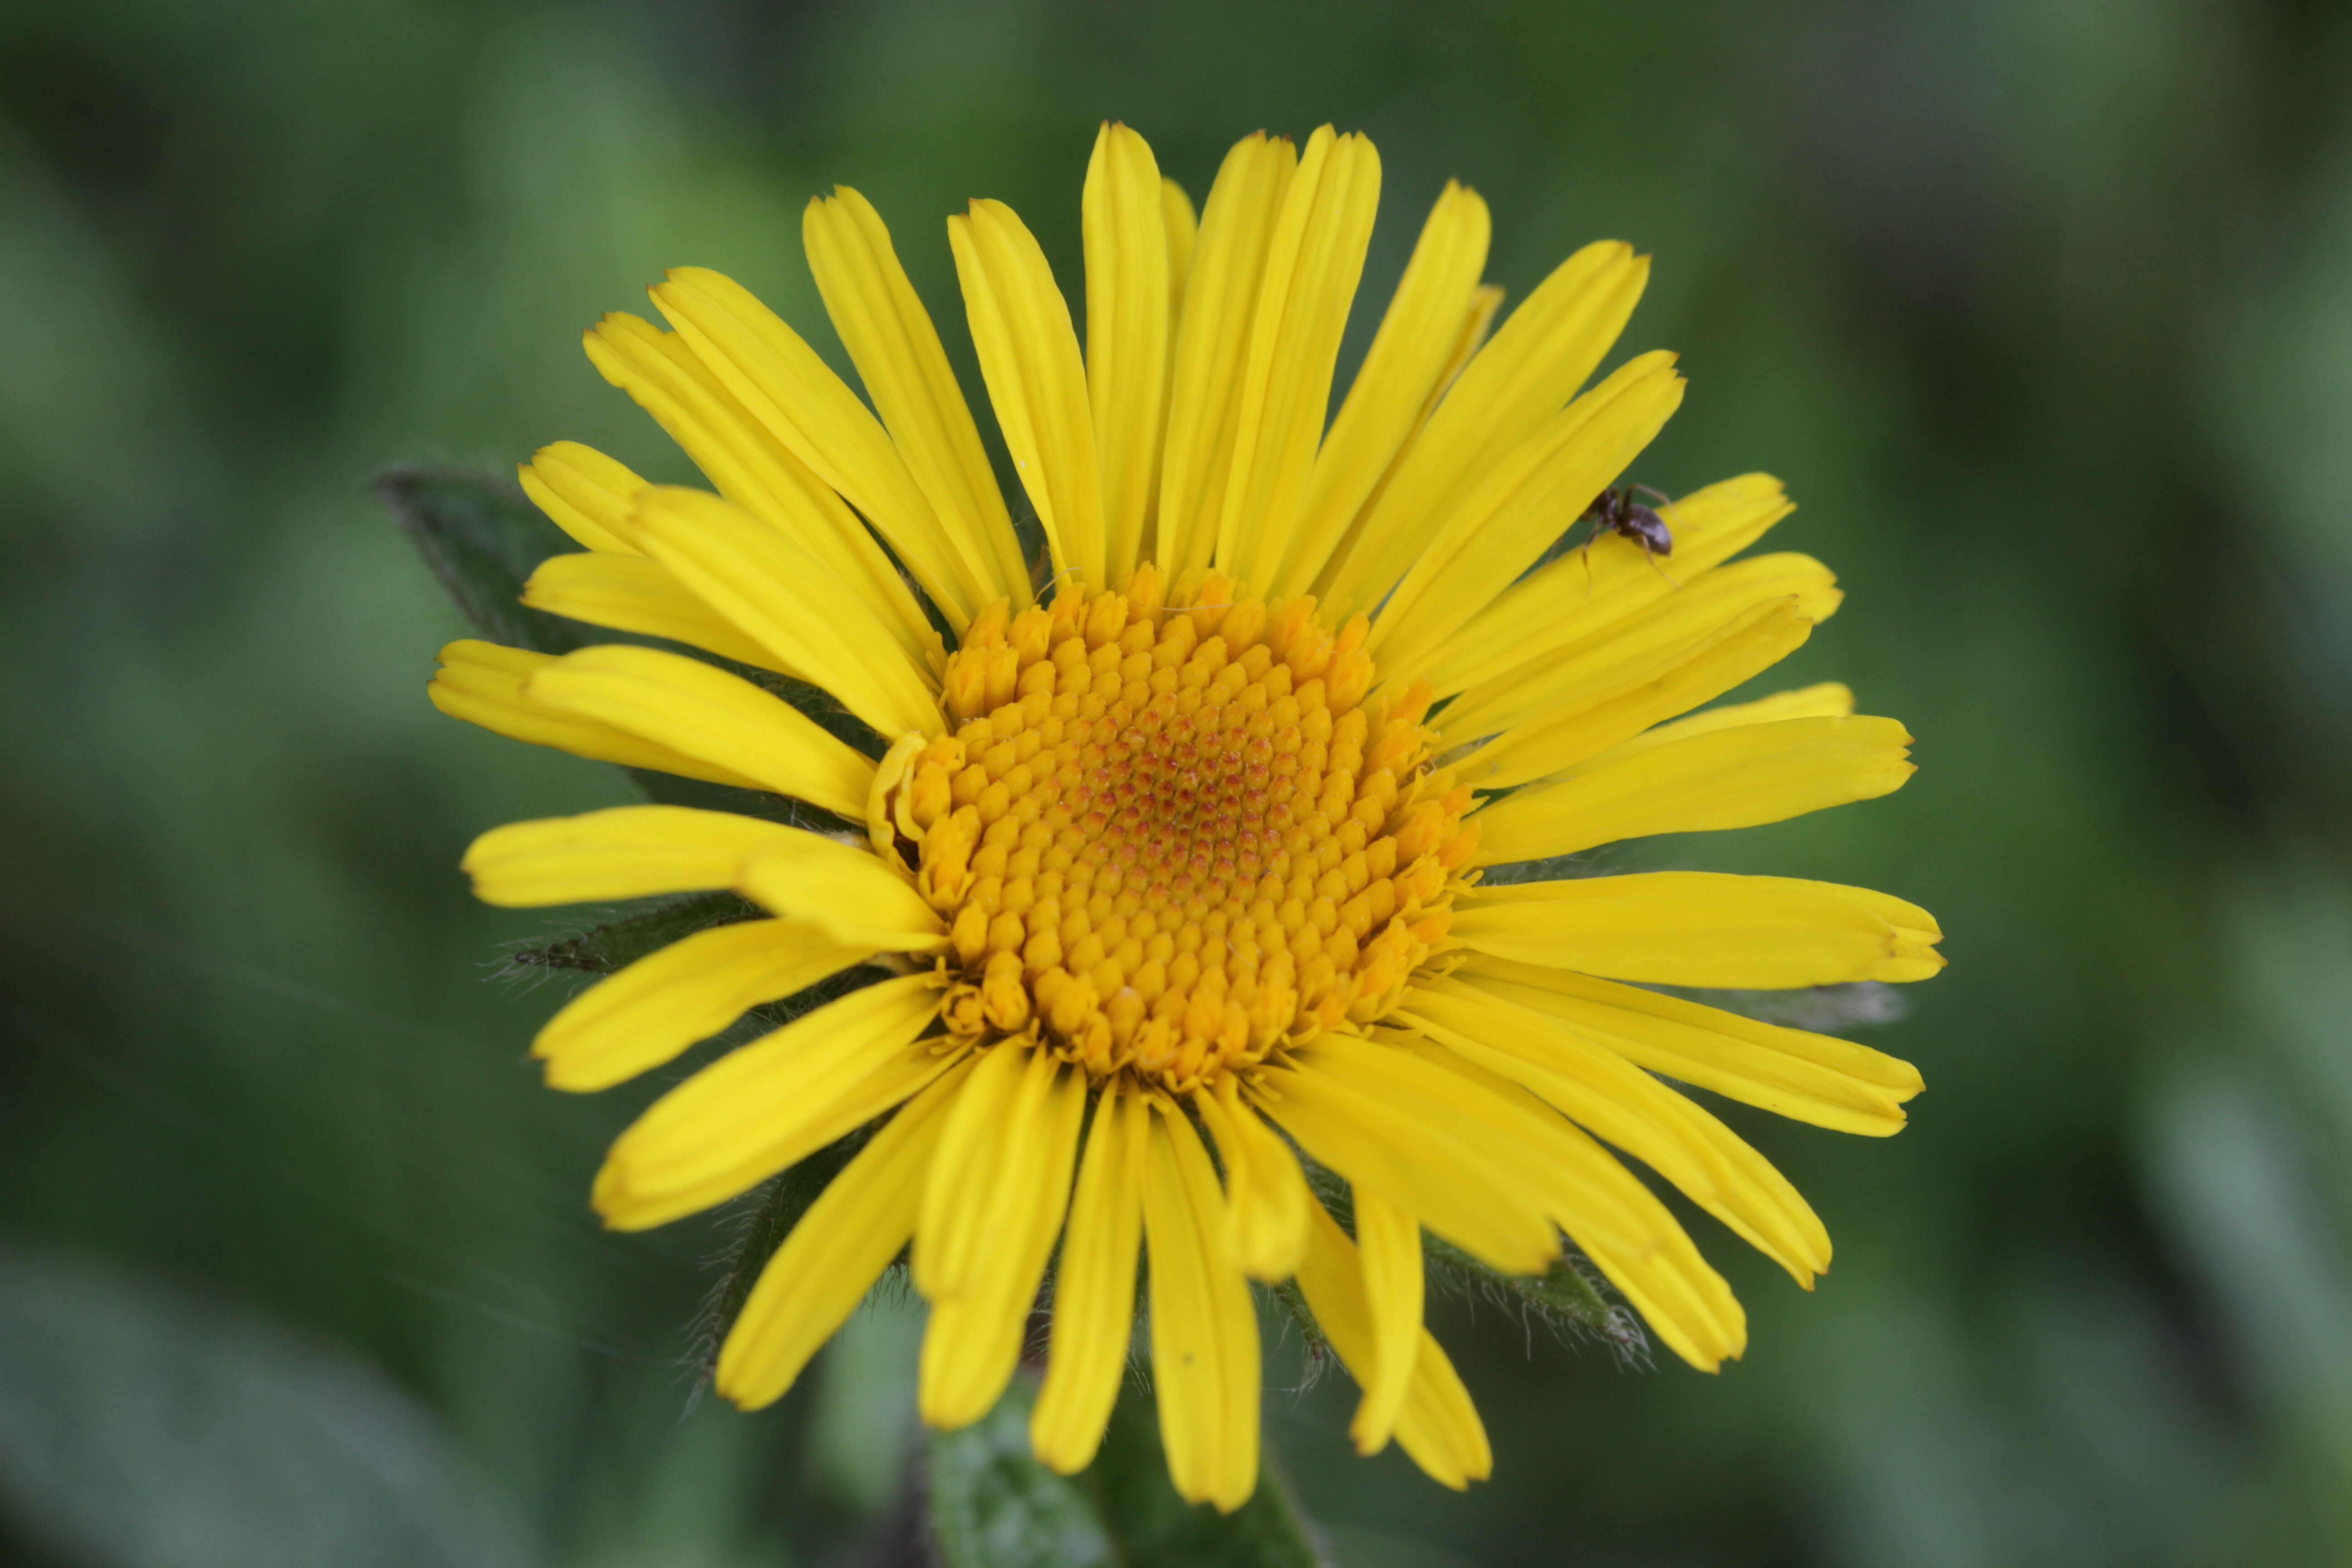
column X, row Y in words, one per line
column 1169, row 834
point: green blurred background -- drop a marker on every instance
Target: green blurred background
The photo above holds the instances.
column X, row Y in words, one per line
column 2042, row 309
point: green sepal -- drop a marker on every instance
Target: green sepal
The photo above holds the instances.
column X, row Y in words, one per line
column 616, row 945
column 1568, row 1297
column 994, row 1506
column 483, row 539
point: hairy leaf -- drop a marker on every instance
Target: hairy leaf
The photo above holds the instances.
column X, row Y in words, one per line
column 482, row 538
column 616, row 945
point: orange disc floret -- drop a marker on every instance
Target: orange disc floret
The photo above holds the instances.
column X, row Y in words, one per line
column 1172, row 830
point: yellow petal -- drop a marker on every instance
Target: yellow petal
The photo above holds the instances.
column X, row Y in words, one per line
column 834, row 1254
column 1470, row 336
column 1204, row 1349
column 482, row 683
column 1313, row 262
column 1671, row 684
column 650, row 1011
column 1389, row 1238
column 777, row 376
column 789, row 602
column 1541, row 356
column 1128, row 319
column 1037, row 380
column 1458, row 1188
column 1813, row 1078
column 772, row 1102
column 1266, row 1198
column 842, row 888
column 1617, row 1222
column 1183, row 227
column 1413, row 349
column 1587, row 597
column 1094, row 1288
column 973, row 1340
column 752, row 469
column 898, row 352
column 1212, row 339
column 583, row 492
column 1830, row 700
column 993, row 1143
column 1438, row 1426
column 1631, row 651
column 634, row 594
column 1513, row 514
column 1616, row 1101
column 700, row 711
column 1704, row 928
column 1735, row 777
column 624, row 852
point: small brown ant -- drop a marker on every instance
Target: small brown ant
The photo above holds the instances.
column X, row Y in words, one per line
column 1616, row 511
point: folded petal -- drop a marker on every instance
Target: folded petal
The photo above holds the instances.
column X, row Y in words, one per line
column 633, row 593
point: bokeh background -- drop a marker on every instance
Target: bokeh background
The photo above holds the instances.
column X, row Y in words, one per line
column 2042, row 309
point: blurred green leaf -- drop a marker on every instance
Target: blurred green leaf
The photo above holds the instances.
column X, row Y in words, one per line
column 993, row 1506
column 482, row 538
column 146, row 1425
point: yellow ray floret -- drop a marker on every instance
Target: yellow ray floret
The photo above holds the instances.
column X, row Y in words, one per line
column 647, row 1013
column 776, row 1100
column 1705, row 928
column 1739, row 777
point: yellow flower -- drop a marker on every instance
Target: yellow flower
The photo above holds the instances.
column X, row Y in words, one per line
column 1184, row 845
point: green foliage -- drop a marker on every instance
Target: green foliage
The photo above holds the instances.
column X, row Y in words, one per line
column 482, row 538
column 993, row 1506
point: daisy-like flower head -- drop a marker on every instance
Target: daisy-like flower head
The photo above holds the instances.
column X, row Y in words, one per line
column 1181, row 854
